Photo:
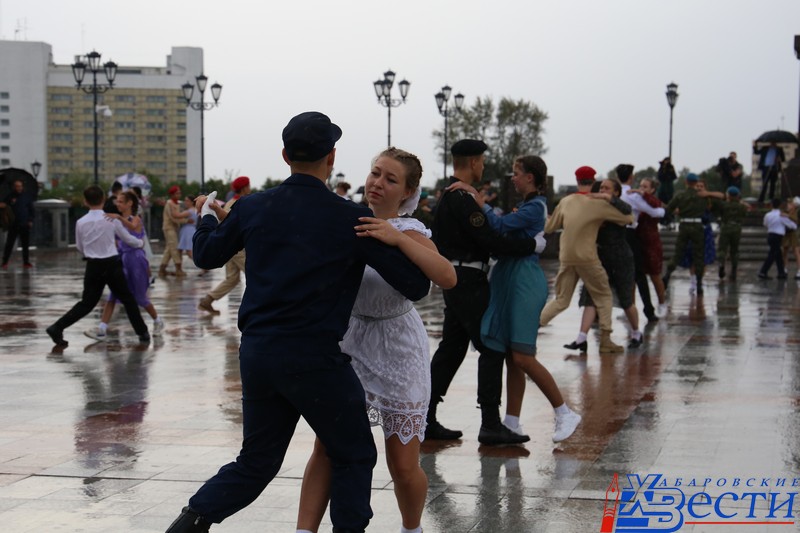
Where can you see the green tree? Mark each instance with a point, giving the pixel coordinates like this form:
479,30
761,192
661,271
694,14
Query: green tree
511,128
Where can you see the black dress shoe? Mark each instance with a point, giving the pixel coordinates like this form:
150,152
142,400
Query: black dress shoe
634,343
436,431
761,275
651,318
582,346
782,276
722,272
499,435
189,521
57,336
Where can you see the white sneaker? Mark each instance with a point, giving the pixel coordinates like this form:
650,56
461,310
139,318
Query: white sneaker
158,326
96,334
518,430
662,311
565,425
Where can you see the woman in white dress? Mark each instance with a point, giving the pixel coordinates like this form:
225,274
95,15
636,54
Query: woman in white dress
388,345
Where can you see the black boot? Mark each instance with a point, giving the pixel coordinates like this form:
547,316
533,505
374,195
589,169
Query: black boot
189,521
666,276
435,431
722,272
699,285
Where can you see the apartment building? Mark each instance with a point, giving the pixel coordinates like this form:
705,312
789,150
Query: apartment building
142,122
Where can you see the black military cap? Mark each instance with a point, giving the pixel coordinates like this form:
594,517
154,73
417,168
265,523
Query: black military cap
310,136
468,147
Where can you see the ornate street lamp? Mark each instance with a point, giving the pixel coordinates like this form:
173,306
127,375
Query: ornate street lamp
202,106
94,66
672,98
442,99
383,90
797,53
36,167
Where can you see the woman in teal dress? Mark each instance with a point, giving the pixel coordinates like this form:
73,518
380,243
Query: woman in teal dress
518,292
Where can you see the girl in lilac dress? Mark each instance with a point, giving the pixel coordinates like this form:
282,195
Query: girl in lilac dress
134,264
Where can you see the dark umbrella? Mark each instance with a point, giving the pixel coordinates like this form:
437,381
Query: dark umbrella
9,175
777,136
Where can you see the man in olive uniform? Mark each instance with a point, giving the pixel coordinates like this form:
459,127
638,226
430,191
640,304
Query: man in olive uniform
463,235
730,214
691,206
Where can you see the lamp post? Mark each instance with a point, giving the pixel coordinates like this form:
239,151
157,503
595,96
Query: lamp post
202,106
36,167
78,72
797,53
672,97
383,90
442,99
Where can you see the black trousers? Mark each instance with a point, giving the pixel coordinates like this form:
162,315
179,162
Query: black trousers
769,178
639,275
24,234
276,391
98,274
775,254
464,307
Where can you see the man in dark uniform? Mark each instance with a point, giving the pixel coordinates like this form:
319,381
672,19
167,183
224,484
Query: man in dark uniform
463,236
691,207
304,268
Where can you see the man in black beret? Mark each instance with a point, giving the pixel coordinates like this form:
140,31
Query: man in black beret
463,236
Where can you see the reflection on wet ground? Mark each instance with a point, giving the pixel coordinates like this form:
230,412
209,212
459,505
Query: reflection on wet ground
116,436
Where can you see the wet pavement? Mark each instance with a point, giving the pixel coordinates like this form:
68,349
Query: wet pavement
116,436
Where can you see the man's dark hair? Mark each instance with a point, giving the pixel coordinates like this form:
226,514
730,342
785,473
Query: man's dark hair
624,172
116,187
94,195
776,203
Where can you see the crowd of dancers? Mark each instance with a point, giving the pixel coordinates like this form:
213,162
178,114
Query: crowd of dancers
329,329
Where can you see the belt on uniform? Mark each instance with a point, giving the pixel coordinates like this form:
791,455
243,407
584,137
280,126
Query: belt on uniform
480,265
692,220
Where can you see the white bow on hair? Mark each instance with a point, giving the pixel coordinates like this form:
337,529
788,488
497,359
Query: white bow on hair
409,205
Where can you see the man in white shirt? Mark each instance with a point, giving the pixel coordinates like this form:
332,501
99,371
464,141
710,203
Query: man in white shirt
94,238
776,224
639,205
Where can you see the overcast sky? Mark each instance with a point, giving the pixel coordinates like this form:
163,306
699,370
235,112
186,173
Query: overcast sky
598,68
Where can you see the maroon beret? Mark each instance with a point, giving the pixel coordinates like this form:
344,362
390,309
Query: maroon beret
240,183
585,173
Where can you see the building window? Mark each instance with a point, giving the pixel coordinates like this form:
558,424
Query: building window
181,152
61,149
156,99
126,125
4,96
4,109
155,126
5,122
182,165
156,164
181,138
5,135
125,111
61,123
5,149
125,138
61,97
157,151
124,98
182,112
61,137
61,110
181,125
156,139
5,162
155,112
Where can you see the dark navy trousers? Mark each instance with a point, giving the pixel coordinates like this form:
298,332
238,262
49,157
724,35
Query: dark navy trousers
276,391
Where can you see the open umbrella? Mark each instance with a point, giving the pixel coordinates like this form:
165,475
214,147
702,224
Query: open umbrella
9,175
132,179
777,136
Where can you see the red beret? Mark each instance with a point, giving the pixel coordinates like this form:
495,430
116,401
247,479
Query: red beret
240,183
173,190
585,173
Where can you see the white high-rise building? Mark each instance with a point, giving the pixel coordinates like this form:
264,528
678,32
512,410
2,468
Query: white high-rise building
143,125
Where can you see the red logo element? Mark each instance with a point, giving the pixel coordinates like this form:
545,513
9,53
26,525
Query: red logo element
610,506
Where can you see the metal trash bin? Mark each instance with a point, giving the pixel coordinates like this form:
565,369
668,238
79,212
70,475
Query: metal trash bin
51,224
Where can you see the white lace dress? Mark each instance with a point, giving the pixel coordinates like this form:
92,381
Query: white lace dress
389,346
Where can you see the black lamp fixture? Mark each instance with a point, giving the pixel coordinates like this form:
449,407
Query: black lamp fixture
36,167
383,90
92,63
797,53
442,99
202,106
672,99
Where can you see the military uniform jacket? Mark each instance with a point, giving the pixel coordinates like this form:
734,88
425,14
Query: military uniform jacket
730,213
688,204
461,231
